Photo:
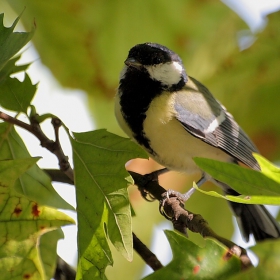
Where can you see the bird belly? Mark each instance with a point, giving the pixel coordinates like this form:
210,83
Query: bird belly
175,147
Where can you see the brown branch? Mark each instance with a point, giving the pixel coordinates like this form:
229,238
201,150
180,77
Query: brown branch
15,121
53,146
58,176
143,251
173,209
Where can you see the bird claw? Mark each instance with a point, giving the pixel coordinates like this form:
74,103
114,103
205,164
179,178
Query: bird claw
166,196
183,197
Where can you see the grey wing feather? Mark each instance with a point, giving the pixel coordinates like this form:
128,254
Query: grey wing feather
232,139
227,136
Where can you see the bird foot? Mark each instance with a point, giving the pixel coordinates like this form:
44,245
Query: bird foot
171,194
183,197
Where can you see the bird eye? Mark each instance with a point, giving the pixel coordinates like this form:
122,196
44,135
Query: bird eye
156,60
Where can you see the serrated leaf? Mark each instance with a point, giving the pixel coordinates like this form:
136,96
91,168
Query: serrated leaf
193,262
34,183
268,267
102,199
11,68
11,42
16,95
22,223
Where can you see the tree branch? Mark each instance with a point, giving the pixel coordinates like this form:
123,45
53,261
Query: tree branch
58,176
149,258
182,219
53,146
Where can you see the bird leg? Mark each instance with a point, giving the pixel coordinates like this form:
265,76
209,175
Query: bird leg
188,194
185,196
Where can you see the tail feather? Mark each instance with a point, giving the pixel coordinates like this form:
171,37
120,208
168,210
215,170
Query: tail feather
256,220
252,218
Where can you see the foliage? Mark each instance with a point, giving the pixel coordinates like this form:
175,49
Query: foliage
23,223
102,198
210,262
268,268
255,187
28,201
30,221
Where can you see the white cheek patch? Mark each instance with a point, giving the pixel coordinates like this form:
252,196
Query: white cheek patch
167,73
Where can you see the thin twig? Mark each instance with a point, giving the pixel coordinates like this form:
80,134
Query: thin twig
58,176
145,253
15,121
53,146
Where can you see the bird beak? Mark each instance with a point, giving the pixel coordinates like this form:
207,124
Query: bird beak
133,63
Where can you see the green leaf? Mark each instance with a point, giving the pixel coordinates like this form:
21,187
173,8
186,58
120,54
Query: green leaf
243,180
268,253
102,200
246,199
192,262
34,183
48,244
255,187
268,169
11,42
16,95
22,224
11,68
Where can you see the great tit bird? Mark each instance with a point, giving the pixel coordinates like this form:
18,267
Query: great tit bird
175,118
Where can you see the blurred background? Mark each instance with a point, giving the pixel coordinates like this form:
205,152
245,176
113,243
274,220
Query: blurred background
232,47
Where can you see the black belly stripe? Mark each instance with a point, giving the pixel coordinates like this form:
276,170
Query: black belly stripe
137,91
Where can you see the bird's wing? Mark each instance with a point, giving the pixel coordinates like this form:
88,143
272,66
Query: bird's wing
205,118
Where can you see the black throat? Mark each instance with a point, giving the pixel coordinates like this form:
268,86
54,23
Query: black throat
137,92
